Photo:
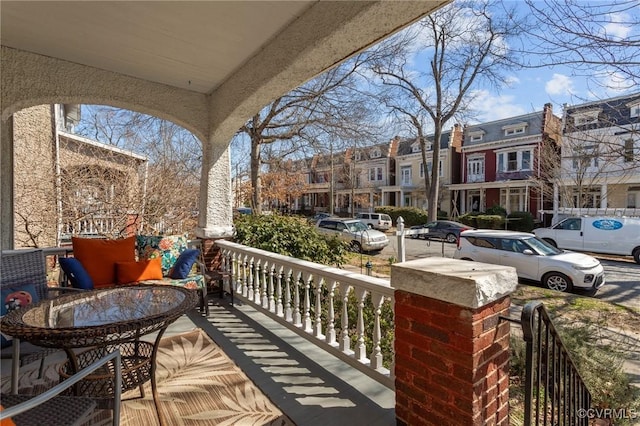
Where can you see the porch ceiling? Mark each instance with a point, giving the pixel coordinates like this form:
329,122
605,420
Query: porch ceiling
192,45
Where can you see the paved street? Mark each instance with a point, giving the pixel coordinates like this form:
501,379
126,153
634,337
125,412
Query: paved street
622,275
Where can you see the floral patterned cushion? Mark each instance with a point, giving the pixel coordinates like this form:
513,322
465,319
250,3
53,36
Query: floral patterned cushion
168,247
193,282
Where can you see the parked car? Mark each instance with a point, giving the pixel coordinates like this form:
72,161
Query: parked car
318,216
597,234
378,221
447,230
359,237
533,258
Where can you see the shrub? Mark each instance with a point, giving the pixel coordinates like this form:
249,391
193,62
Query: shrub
289,236
469,219
412,216
496,209
520,221
488,221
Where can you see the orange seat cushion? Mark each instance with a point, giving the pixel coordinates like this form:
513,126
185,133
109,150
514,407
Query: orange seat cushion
129,272
6,422
99,257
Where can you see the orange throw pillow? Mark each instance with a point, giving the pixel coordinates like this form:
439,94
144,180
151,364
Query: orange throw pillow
6,422
129,272
99,257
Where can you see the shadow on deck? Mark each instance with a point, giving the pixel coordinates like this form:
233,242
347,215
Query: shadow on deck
309,385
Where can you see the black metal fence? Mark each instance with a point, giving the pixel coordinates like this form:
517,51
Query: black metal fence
554,391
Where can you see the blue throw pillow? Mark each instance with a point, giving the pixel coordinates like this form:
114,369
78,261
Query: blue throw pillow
183,264
78,276
15,298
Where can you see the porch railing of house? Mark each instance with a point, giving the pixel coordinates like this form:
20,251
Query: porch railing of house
316,302
554,391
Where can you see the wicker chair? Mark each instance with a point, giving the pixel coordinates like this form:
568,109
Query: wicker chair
19,268
51,408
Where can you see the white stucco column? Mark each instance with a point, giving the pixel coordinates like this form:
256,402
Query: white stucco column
603,196
215,219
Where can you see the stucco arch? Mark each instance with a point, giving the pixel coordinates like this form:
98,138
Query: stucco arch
29,79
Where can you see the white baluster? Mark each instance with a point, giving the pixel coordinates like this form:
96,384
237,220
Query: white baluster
345,340
279,278
307,304
361,349
270,290
317,325
257,281
331,330
376,356
297,319
288,313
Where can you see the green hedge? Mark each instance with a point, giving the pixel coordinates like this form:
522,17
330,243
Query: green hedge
520,221
289,236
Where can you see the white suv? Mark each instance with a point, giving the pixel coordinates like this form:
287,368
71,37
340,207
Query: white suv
355,233
379,221
533,258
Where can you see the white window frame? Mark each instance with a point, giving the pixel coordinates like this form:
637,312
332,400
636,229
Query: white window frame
503,160
634,109
376,153
477,165
476,136
405,175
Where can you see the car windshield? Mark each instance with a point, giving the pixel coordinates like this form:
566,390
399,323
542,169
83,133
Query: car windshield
542,246
357,227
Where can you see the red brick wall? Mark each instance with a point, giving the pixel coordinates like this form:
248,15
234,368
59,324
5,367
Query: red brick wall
452,362
212,255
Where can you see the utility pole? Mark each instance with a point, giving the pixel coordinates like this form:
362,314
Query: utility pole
331,181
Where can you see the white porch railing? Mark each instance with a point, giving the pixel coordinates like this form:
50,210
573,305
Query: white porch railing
304,295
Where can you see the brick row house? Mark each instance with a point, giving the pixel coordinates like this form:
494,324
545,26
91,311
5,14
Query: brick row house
549,166
506,163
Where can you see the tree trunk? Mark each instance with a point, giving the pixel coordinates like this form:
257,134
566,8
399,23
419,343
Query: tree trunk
432,213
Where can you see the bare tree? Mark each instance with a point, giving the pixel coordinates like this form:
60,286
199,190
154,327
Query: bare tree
465,45
325,109
599,40
168,201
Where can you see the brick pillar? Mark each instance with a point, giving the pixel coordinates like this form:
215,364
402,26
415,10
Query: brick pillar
451,348
212,256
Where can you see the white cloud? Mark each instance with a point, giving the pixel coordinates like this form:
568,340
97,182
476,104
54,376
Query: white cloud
615,29
512,81
490,107
559,84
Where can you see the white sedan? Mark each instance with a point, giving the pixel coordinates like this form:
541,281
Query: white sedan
533,258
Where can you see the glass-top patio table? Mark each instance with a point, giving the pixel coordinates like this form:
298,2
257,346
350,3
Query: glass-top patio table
102,321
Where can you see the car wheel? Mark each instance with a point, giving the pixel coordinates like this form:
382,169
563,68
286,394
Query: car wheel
550,241
355,246
557,281
636,255
370,226
451,238
415,236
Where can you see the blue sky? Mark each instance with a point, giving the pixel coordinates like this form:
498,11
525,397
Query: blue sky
530,89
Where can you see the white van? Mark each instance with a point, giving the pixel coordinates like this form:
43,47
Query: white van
610,235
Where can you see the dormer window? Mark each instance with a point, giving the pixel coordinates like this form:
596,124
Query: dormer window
514,129
415,148
476,136
634,109
583,118
358,156
376,153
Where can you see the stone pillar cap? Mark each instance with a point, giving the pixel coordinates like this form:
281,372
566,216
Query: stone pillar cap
461,282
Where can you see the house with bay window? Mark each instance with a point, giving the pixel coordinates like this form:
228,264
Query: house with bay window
507,163
600,166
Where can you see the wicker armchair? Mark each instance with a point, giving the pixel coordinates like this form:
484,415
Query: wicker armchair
25,268
52,408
